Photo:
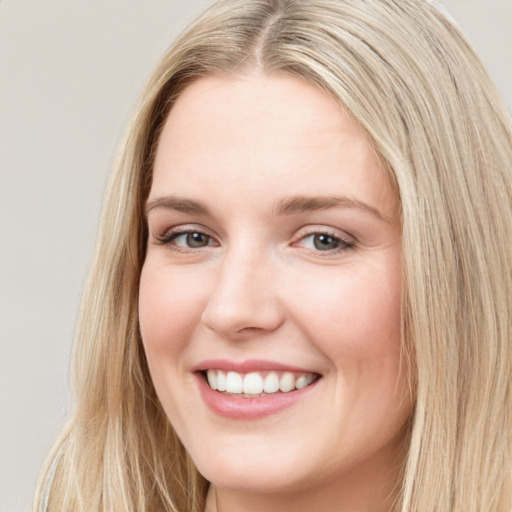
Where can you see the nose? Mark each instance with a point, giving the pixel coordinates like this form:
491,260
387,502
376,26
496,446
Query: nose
244,300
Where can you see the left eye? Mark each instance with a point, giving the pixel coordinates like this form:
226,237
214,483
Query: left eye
191,239
323,242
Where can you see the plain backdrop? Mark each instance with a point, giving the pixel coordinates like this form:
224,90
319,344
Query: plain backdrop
70,72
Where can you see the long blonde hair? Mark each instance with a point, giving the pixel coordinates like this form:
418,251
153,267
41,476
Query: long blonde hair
405,72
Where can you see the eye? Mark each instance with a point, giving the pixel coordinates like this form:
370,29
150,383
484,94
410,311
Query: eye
324,242
190,239
184,238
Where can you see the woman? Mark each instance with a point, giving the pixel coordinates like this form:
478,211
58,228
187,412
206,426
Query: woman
301,294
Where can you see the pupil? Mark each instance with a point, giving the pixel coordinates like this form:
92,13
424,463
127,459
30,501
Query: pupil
325,242
196,240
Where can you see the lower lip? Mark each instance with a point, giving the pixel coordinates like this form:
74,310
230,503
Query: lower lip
235,407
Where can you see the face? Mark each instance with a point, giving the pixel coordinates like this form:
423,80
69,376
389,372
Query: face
273,271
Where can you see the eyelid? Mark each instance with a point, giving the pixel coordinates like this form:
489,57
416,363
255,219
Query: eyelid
347,240
167,236
324,230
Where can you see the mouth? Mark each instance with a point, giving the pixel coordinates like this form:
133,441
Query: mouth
257,384
253,389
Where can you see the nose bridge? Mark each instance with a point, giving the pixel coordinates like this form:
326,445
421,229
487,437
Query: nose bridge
244,298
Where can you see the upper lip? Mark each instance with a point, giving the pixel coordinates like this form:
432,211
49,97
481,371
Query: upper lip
247,366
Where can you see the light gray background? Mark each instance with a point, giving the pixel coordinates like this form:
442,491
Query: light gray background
70,72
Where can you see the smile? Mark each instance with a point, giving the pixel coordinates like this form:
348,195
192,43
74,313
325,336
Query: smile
258,383
253,389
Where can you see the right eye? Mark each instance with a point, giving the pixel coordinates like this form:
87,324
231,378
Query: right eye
188,239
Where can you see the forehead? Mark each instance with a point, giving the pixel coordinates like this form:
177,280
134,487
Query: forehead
233,111
262,134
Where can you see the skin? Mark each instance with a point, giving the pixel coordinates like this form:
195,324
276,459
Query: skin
259,288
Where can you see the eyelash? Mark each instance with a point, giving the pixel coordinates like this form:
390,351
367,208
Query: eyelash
170,236
343,244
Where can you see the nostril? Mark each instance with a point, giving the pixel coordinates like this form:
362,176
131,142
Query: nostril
241,306
242,324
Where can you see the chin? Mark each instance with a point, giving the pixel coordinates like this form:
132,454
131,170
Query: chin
254,476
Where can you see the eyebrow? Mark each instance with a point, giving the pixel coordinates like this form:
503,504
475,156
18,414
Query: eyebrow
288,206
177,203
301,204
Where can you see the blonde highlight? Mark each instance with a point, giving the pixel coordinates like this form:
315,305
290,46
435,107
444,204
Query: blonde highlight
406,74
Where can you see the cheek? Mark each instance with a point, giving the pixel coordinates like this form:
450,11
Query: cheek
354,317
357,326
170,307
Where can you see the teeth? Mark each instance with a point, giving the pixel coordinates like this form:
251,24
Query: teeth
302,382
287,382
234,383
255,383
221,381
271,383
211,376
